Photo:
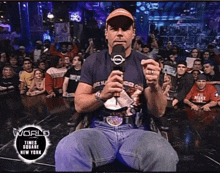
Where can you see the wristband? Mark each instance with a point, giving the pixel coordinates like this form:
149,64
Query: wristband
97,96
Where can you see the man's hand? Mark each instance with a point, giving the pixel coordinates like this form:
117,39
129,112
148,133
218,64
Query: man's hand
113,85
206,107
52,94
194,107
151,72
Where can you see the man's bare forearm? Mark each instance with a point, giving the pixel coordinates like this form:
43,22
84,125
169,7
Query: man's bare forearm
156,101
86,103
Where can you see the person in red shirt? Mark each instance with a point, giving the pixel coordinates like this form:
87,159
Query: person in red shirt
202,93
73,50
54,77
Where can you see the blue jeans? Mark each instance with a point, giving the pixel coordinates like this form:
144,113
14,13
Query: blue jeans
101,144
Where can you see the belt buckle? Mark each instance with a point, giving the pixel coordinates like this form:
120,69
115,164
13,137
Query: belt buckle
114,120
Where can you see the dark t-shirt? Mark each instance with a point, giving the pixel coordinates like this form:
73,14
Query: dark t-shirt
74,77
215,77
97,68
6,82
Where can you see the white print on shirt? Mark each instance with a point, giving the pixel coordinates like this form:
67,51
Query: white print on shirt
74,77
199,98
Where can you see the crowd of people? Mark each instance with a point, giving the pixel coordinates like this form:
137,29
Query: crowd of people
184,79
53,71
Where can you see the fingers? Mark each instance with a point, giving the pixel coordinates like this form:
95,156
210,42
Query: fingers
146,62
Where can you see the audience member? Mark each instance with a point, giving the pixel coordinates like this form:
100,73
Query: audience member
212,76
14,64
195,74
9,79
183,83
72,77
37,52
54,77
37,84
26,76
202,93
197,65
42,66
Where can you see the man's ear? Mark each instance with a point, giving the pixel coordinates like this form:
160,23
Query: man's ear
134,33
106,34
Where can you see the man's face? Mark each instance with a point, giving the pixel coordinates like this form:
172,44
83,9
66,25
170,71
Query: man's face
146,49
7,72
197,65
195,74
195,53
64,48
27,65
208,68
70,47
22,50
3,57
201,84
42,66
75,61
13,61
119,32
181,69
206,55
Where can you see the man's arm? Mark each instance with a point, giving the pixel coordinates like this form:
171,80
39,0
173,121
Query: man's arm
207,106
192,105
85,100
213,82
156,100
65,84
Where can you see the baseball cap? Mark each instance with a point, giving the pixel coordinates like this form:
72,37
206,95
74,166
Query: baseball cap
21,47
39,42
119,12
201,77
181,62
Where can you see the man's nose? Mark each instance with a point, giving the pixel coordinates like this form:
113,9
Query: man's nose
120,32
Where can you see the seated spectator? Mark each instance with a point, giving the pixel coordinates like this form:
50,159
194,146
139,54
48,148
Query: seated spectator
9,79
175,56
3,61
195,74
183,82
202,93
54,77
14,64
195,54
26,76
212,76
138,44
197,65
42,66
90,49
67,63
21,52
72,77
38,84
205,56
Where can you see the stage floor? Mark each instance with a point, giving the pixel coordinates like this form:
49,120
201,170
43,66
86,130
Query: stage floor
195,136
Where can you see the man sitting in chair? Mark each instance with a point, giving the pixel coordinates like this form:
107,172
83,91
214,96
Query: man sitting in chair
113,83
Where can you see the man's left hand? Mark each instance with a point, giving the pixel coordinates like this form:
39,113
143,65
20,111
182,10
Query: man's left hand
206,108
151,72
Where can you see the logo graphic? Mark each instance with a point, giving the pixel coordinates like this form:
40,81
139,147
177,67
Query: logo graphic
31,143
118,59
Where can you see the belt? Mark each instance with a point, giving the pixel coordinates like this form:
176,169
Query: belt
116,120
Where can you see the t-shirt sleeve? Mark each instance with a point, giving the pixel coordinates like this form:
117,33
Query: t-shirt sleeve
22,78
67,74
87,70
189,95
214,93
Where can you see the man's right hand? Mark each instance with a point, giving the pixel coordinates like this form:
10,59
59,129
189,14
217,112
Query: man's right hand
114,84
194,107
